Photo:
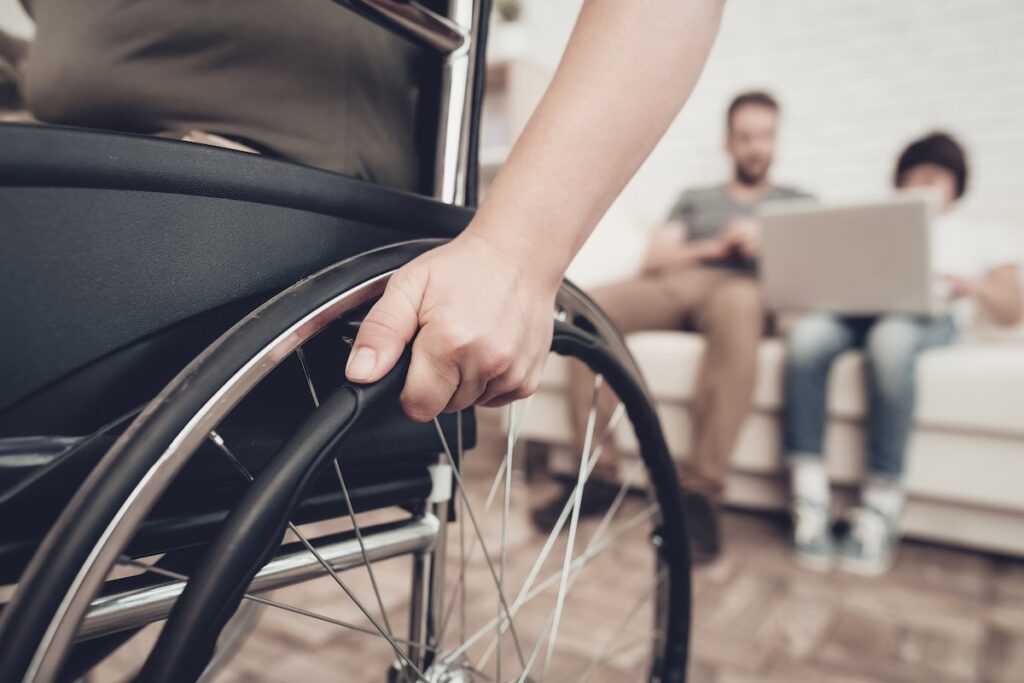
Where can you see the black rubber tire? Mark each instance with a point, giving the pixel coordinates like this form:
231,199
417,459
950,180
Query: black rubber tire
254,529
51,575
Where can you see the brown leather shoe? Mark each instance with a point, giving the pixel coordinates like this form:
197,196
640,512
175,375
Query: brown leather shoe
597,498
702,526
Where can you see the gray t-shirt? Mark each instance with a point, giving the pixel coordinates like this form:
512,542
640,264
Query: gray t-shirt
707,210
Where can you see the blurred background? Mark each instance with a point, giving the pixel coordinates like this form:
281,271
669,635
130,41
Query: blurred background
855,79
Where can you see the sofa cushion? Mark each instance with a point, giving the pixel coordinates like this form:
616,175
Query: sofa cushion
970,386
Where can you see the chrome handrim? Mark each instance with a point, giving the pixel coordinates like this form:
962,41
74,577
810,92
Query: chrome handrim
496,648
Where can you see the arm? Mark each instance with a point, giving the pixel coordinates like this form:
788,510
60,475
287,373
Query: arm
669,249
999,292
625,74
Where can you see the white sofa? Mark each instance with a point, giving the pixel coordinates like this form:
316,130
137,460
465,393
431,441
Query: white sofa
965,476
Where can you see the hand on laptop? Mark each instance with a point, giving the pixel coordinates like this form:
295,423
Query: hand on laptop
744,236
712,249
961,287
670,249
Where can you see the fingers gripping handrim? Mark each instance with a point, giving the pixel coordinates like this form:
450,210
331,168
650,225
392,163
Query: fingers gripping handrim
431,382
384,333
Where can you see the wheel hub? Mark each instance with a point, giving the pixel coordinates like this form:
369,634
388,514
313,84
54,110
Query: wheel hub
449,673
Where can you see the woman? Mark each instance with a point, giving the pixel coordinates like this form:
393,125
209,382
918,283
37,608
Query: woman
979,271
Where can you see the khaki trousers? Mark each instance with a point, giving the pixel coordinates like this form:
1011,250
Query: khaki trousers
726,308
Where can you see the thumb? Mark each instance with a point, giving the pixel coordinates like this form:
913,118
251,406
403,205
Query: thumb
385,331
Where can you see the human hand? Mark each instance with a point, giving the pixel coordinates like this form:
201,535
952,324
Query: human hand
713,249
744,235
485,321
961,287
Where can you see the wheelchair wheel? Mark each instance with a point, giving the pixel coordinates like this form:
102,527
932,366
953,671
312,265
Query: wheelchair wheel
331,484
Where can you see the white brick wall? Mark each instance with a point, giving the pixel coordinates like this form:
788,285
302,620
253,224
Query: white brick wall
857,79
13,18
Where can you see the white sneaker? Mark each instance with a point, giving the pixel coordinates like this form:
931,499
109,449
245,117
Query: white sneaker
812,538
870,548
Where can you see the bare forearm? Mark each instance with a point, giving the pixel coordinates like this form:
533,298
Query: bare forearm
628,68
626,72
1000,294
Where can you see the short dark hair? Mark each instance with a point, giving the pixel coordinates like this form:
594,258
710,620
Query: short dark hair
755,97
940,149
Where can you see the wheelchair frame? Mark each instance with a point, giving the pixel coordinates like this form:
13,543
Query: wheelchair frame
460,36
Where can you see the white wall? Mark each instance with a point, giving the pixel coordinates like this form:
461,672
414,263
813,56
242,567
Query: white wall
857,79
13,18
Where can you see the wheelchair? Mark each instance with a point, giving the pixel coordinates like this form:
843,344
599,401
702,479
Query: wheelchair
179,447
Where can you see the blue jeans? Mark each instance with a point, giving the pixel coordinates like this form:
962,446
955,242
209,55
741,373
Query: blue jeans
891,344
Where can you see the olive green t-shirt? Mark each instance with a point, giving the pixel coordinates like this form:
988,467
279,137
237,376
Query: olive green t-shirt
305,80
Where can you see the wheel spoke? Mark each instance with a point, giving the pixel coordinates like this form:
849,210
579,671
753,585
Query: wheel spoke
510,443
567,508
479,535
615,652
461,587
556,530
605,651
362,546
166,573
573,525
616,416
358,603
301,355
544,647
466,556
219,441
593,550
620,496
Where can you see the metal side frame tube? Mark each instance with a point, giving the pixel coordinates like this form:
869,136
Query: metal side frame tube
427,594
413,20
452,164
135,608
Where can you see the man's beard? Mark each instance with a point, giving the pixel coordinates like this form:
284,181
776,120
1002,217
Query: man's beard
745,177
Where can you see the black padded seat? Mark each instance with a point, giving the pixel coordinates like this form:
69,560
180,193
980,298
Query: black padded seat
125,255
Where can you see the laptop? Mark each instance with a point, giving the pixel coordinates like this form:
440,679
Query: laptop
853,259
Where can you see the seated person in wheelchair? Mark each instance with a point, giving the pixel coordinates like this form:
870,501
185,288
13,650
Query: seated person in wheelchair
297,80
477,312
699,273
981,266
